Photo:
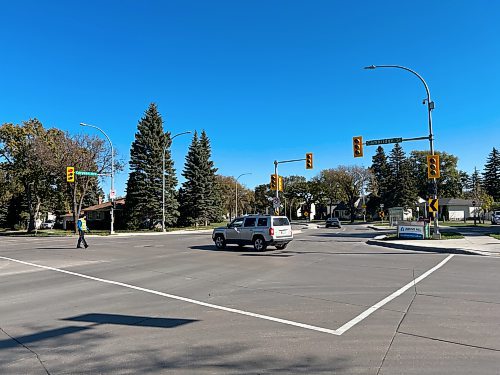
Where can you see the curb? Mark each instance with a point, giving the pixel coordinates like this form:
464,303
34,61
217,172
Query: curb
431,249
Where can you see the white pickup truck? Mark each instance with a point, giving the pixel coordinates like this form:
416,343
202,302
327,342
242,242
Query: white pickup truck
495,218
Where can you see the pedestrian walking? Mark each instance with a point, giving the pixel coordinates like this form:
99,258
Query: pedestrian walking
82,228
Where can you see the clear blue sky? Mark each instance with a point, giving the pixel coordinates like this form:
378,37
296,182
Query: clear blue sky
266,79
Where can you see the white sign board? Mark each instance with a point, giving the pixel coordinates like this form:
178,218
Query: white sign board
411,231
112,194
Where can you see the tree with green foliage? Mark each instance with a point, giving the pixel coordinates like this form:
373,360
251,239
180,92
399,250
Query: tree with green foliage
330,187
263,195
449,185
491,175
199,195
26,154
402,190
34,159
145,182
379,184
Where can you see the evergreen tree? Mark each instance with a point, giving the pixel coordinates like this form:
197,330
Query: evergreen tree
402,191
199,195
144,186
475,184
213,197
491,175
380,183
191,191
171,202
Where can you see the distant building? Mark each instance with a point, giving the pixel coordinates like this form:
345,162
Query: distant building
99,216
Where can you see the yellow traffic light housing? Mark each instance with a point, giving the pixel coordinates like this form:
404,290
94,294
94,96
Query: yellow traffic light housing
70,174
433,170
309,160
274,182
357,146
280,183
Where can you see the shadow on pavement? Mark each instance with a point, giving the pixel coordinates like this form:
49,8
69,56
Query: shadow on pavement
130,320
56,248
96,319
231,249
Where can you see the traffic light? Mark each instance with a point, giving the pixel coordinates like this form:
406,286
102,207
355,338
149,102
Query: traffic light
280,183
309,160
357,146
70,174
433,166
274,183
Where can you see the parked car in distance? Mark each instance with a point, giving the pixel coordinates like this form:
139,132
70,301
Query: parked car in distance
257,230
49,224
495,218
333,222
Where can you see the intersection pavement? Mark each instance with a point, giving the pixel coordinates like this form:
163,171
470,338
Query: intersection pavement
328,303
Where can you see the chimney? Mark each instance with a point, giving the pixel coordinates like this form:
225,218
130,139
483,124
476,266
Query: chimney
99,199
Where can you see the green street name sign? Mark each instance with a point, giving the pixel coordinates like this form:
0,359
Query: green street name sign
83,173
382,141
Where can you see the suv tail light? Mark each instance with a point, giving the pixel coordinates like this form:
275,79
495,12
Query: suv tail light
271,231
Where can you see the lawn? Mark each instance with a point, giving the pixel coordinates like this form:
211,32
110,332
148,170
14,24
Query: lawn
497,236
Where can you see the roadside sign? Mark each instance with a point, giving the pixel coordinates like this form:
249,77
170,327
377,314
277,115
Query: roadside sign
112,194
412,230
85,173
384,141
433,205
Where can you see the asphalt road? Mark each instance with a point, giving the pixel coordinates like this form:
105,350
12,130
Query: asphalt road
327,304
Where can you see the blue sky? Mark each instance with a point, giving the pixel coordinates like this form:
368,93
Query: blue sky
267,80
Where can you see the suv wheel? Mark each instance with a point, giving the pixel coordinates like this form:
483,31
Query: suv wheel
220,243
259,244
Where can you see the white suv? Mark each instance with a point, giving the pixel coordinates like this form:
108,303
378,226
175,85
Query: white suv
257,230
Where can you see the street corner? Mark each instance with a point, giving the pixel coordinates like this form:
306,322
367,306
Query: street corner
437,246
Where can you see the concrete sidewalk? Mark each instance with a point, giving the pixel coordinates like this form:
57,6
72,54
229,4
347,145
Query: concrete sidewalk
471,244
477,245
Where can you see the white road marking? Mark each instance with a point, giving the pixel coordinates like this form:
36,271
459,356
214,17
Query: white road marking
387,299
336,332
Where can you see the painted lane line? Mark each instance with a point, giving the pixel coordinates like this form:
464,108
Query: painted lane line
336,332
184,299
387,299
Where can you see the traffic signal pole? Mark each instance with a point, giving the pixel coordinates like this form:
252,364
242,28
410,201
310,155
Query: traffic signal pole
309,165
430,107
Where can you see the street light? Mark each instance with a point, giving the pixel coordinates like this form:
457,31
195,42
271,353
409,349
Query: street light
163,191
430,107
236,193
112,192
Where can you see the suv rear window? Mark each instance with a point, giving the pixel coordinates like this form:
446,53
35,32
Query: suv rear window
280,221
262,222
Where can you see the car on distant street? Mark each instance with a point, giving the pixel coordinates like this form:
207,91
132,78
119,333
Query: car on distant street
257,230
49,224
495,218
333,222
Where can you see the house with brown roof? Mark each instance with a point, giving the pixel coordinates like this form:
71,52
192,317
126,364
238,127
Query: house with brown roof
99,215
